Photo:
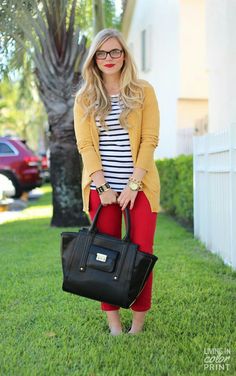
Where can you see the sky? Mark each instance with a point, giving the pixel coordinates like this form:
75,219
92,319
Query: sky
118,7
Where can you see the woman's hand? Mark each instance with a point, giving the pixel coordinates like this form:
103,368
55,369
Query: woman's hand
126,196
108,197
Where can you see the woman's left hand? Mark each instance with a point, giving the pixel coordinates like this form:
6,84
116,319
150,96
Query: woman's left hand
126,196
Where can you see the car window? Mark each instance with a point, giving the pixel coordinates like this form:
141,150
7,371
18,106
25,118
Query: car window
6,149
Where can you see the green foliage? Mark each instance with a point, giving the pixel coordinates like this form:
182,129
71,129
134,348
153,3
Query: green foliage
21,112
85,17
183,197
111,19
176,175
14,43
46,332
168,176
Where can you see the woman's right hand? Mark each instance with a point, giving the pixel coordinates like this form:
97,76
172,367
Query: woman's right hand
108,197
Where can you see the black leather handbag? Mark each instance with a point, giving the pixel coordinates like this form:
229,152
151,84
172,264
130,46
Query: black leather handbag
104,268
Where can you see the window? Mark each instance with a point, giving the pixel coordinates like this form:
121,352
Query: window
143,50
146,49
5,149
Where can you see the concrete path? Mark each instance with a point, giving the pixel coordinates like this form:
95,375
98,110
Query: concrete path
16,206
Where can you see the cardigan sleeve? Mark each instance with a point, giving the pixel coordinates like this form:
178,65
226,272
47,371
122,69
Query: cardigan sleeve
149,131
91,160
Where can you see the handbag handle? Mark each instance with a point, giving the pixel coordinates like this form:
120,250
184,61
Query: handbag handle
93,227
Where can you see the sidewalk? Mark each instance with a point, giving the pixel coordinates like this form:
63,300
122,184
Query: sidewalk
16,206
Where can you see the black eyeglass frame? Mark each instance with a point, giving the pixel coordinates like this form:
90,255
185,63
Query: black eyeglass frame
109,53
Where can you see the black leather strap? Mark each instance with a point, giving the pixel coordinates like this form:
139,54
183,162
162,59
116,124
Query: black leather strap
84,252
121,261
101,189
93,227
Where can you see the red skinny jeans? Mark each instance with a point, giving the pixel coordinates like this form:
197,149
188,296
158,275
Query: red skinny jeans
143,225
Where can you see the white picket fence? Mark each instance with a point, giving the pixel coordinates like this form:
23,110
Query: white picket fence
214,158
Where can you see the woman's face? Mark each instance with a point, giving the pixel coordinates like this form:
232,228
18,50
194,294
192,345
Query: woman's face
111,64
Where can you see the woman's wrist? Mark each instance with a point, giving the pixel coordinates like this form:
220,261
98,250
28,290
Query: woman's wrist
134,184
136,180
138,174
98,178
103,188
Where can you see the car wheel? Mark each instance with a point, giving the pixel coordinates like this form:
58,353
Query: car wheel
15,183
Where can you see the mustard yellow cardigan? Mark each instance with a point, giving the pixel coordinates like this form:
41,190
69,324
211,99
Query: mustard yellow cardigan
144,137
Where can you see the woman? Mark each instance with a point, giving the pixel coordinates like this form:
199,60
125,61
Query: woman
117,128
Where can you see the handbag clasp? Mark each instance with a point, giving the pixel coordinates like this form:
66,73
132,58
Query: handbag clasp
101,257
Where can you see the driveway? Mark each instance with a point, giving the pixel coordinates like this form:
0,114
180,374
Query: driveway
16,206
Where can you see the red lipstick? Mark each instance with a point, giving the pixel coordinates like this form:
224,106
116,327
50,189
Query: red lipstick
109,65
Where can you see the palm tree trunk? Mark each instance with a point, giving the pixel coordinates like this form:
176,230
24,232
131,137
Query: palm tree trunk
66,166
98,16
65,161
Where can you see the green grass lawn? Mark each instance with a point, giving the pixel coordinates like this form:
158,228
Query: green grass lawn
45,331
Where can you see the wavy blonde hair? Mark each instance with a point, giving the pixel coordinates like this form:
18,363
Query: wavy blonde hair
93,95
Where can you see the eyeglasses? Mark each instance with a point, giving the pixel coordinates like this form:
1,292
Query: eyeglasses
114,54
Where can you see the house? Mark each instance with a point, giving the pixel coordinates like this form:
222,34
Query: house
168,42
187,50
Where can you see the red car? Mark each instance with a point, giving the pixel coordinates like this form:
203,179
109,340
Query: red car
20,165
45,161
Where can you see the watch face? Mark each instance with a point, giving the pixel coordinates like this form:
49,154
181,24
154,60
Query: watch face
133,186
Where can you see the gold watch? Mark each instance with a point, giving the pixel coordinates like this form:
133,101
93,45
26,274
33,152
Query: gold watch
134,184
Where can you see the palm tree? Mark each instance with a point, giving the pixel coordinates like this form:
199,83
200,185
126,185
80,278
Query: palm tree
57,49
57,67
58,52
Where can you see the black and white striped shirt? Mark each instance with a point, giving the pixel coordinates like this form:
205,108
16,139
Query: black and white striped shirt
114,147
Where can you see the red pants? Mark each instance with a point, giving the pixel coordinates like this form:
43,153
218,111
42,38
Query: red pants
143,225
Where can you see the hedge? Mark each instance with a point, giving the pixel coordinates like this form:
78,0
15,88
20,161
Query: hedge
176,175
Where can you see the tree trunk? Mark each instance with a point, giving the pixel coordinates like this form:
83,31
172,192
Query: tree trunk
58,64
65,171
66,167
98,16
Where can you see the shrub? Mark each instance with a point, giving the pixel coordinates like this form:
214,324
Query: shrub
168,177
176,175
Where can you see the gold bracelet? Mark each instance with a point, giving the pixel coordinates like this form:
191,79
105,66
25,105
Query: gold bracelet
138,182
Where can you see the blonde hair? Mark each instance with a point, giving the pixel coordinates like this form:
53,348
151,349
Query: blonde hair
93,95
